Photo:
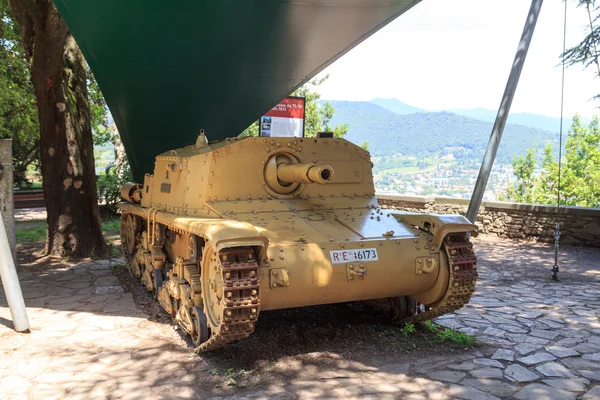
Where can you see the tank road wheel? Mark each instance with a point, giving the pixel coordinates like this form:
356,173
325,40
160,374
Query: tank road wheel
157,280
128,235
200,332
230,294
395,309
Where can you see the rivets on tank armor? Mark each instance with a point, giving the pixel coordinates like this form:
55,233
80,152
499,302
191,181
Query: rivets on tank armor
342,245
380,243
322,247
361,244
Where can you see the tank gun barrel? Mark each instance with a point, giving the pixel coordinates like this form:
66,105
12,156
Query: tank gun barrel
305,173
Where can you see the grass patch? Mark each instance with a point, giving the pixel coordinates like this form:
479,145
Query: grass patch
35,231
450,335
30,231
111,225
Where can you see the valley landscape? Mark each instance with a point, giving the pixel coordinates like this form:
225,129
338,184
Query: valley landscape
419,152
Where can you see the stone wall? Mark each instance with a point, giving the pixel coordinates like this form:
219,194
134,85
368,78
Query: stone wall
579,226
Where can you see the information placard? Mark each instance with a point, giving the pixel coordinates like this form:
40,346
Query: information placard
286,119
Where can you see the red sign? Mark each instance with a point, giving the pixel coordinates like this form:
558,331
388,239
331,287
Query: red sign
290,107
286,119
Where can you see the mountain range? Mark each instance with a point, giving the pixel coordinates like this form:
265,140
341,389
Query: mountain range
543,122
393,127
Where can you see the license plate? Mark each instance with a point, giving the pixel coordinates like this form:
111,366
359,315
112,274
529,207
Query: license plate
358,255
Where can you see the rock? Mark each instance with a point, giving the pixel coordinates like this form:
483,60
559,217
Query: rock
529,314
14,384
593,357
488,362
504,354
593,393
538,391
572,385
492,386
465,366
469,393
516,372
525,348
12,342
494,332
561,352
544,334
595,375
536,358
554,369
487,372
47,392
108,289
580,363
447,376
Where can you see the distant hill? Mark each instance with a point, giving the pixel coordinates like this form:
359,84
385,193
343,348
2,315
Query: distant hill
397,106
550,124
426,133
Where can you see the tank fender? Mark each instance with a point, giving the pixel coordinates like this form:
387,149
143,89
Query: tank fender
222,233
438,225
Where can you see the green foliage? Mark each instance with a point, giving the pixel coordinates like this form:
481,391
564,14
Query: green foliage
18,111
109,185
408,328
449,335
580,176
586,51
431,134
317,116
523,167
101,131
459,338
35,231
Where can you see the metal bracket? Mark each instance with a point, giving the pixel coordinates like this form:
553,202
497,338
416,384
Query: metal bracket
279,277
356,271
425,265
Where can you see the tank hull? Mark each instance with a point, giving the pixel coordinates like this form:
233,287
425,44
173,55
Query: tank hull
223,231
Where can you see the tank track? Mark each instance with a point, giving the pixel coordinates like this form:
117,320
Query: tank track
461,283
241,295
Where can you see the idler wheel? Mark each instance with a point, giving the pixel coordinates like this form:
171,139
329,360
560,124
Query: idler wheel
200,332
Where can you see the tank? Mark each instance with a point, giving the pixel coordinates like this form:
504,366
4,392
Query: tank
223,231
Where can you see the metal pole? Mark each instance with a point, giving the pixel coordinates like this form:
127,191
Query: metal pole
10,282
507,98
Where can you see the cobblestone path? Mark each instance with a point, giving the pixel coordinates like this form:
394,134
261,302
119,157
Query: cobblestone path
90,341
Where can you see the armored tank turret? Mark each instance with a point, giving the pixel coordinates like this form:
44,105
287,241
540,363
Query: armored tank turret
221,232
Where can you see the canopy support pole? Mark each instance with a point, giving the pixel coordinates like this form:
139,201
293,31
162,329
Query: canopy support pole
507,98
10,282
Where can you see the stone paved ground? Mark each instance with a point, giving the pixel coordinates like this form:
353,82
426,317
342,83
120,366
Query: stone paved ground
89,340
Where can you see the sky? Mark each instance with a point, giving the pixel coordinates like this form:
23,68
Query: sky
446,54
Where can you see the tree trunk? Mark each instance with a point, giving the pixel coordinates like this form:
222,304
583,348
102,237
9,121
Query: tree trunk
66,149
121,161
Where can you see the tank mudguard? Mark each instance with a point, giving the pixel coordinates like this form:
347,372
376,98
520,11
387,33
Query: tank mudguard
222,233
438,225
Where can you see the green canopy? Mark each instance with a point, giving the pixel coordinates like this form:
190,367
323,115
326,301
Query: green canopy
169,68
